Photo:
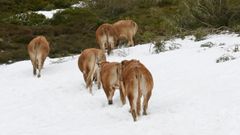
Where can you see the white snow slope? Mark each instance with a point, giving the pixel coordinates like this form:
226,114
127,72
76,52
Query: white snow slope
192,95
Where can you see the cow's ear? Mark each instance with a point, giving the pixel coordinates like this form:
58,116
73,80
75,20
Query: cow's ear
99,63
104,58
124,62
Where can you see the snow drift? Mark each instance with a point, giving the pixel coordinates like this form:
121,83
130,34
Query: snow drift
192,95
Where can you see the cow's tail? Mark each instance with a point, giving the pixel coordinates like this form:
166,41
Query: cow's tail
121,86
107,35
108,45
138,77
36,49
134,24
136,94
91,72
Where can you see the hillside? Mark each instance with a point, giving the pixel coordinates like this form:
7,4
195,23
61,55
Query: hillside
72,30
192,94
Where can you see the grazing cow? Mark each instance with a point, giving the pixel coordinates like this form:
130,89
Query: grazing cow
110,73
138,82
106,37
38,50
88,65
126,29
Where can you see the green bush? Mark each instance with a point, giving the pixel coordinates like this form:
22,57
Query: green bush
13,55
236,28
159,46
110,9
200,33
210,12
213,13
75,16
148,36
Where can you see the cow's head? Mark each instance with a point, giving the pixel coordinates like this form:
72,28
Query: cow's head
101,56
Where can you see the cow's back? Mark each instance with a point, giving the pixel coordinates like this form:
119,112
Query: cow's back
84,58
125,27
104,28
131,71
39,45
105,31
86,55
109,73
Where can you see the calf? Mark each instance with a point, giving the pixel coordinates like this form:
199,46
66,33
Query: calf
88,65
38,50
106,37
126,29
137,82
110,73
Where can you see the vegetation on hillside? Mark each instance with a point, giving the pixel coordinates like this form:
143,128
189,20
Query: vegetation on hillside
73,30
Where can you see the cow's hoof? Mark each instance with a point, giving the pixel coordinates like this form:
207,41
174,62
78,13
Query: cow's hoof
144,113
110,102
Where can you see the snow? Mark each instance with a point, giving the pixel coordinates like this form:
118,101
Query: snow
49,14
192,95
80,4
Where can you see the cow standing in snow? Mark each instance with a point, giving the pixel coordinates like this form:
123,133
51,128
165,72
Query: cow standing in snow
126,29
106,37
137,82
110,73
38,50
88,65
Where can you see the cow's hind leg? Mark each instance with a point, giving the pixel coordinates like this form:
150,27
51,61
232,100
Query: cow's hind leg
109,50
98,79
89,85
111,93
85,78
106,91
133,106
39,67
103,46
34,68
90,82
145,102
34,64
122,95
130,41
139,104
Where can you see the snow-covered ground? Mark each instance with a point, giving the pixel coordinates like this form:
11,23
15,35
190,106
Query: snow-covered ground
49,14
80,4
192,95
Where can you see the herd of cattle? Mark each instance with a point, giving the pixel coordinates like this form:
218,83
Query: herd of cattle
131,77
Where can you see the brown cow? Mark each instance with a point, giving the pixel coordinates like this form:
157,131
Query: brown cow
138,82
106,37
126,29
88,65
110,73
38,50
